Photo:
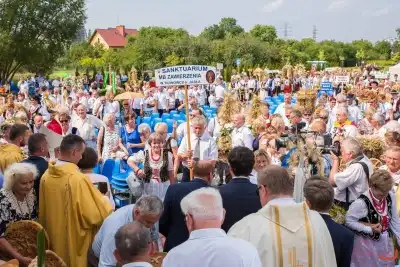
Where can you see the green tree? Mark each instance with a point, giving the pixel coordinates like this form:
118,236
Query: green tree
173,60
264,33
384,49
33,36
226,27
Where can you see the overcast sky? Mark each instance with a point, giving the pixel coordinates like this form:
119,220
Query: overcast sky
343,20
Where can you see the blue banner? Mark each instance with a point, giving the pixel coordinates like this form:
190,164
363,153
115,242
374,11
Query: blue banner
326,86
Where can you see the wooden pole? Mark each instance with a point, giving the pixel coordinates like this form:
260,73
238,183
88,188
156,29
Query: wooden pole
189,146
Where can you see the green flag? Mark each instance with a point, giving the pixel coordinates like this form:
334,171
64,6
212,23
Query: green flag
105,80
114,82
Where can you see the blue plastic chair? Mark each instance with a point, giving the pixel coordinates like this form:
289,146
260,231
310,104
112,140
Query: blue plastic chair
170,124
97,169
176,117
155,115
165,116
180,122
138,119
172,112
146,120
108,168
213,109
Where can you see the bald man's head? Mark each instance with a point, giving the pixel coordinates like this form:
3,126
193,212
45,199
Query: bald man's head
238,120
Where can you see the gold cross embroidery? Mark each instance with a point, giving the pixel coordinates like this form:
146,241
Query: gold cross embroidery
293,258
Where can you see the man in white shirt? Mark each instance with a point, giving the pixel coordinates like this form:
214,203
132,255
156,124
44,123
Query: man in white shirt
219,91
208,245
352,181
86,124
132,245
37,123
203,147
241,135
161,98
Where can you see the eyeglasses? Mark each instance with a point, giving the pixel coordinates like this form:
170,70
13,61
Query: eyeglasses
323,118
64,121
307,115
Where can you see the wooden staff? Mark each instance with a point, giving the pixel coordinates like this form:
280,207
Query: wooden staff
189,147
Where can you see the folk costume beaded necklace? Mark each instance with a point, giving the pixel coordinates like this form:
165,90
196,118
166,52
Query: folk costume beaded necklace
379,205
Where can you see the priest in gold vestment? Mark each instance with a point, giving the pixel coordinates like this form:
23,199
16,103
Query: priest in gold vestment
12,152
285,233
71,208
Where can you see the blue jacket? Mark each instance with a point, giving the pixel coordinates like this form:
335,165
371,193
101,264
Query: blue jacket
172,221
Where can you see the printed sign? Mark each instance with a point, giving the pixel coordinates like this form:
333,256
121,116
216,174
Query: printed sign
342,79
220,66
381,75
185,75
325,86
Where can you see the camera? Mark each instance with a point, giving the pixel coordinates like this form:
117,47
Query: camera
294,133
334,148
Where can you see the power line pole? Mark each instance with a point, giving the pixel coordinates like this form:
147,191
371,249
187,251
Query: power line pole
314,33
285,33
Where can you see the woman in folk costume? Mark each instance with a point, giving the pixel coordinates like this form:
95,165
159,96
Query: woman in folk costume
158,170
374,218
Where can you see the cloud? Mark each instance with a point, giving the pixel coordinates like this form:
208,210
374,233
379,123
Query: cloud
337,5
376,13
273,5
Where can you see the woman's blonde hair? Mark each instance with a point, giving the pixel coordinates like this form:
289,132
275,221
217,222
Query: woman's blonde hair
16,171
262,153
278,123
108,117
155,137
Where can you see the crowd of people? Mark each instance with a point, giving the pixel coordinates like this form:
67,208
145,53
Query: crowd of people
298,186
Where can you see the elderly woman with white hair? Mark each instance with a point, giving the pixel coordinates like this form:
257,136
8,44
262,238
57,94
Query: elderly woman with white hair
17,202
109,143
144,132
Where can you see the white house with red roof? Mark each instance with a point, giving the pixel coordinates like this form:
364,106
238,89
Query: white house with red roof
112,37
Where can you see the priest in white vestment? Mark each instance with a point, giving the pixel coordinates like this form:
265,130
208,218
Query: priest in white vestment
284,232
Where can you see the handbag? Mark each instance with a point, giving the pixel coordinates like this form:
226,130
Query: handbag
136,185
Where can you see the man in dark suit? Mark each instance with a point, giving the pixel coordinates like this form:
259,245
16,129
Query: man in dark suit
38,148
172,221
319,196
239,196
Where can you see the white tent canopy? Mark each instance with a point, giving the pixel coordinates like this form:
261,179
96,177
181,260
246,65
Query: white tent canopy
394,70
